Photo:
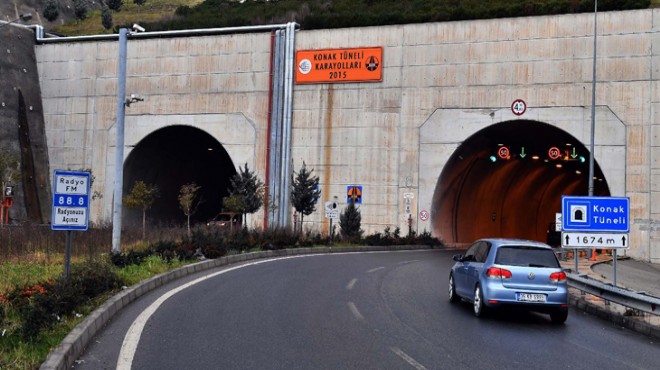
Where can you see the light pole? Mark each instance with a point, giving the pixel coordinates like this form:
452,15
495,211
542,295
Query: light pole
122,103
23,18
593,123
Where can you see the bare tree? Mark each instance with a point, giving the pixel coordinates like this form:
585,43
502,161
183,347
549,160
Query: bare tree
142,196
188,201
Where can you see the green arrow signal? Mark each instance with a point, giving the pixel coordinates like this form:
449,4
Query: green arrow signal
574,155
522,153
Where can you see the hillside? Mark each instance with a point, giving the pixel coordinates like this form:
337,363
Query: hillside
157,15
67,24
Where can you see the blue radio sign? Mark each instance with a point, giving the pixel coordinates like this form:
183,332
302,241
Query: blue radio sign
70,200
595,214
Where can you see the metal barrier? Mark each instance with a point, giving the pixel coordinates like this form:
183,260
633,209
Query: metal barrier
609,292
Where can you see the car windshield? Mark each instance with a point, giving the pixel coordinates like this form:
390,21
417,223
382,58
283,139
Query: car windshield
519,255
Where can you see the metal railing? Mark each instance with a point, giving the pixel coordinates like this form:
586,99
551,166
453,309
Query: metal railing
636,300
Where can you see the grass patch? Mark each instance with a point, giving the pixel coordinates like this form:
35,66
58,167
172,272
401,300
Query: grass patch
16,353
153,265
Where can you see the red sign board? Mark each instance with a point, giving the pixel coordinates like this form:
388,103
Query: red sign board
339,65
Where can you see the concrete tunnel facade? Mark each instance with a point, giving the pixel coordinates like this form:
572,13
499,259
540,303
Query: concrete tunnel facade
418,142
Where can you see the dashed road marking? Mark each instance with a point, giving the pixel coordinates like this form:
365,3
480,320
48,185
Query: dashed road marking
407,358
355,311
351,284
376,269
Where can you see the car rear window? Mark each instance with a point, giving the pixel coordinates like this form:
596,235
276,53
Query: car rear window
526,256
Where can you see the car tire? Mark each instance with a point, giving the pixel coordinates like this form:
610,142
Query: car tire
453,297
559,317
478,302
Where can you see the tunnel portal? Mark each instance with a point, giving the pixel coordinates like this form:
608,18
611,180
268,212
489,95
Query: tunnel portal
507,181
174,156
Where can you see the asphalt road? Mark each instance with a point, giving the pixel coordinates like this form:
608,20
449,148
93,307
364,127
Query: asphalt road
349,311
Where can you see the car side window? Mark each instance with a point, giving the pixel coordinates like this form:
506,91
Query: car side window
482,252
470,254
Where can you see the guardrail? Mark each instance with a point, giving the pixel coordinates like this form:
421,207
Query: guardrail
609,292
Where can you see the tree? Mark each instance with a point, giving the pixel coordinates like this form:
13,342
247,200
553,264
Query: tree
305,192
51,11
106,18
245,193
188,202
142,196
139,3
80,9
114,4
350,221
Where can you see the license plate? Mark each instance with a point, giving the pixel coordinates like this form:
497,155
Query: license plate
531,297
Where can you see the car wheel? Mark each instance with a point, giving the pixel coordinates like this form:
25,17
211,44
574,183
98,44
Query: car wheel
453,297
478,302
559,316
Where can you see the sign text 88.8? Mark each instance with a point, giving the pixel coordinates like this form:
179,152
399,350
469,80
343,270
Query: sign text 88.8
71,200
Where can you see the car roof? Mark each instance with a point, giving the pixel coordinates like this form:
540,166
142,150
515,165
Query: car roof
499,242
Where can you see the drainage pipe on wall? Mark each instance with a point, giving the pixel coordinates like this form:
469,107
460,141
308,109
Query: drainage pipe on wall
275,132
159,34
288,107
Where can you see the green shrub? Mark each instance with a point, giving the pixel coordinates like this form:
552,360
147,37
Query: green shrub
131,257
350,221
164,249
39,306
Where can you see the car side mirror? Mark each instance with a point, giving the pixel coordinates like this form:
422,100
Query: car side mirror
458,257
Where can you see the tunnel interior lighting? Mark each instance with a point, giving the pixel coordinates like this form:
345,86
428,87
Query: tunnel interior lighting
559,165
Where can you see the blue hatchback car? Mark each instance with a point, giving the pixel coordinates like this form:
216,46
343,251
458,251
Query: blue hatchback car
495,273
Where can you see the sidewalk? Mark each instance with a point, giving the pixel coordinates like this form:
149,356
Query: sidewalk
633,275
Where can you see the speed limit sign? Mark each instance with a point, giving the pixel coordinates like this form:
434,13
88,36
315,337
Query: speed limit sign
518,107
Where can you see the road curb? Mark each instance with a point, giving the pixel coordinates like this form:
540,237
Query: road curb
72,346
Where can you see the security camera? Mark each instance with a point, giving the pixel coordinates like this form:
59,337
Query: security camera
133,99
138,28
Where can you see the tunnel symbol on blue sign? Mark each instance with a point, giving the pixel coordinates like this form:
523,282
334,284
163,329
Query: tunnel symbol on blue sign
579,213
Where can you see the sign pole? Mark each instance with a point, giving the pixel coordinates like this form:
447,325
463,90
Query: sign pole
67,255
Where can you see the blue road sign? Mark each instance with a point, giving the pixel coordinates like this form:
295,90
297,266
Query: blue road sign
595,214
70,200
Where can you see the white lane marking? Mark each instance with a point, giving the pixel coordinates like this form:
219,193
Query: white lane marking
351,284
376,269
132,338
407,358
406,262
354,310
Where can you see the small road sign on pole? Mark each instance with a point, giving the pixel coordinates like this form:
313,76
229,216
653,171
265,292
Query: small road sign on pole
70,200
331,210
